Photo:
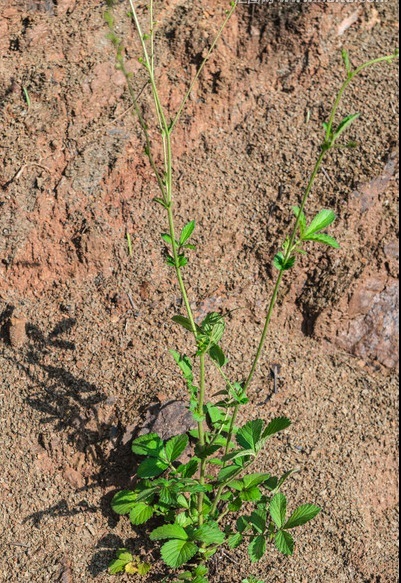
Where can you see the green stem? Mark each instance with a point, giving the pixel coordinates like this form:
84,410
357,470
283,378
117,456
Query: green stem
201,434
351,76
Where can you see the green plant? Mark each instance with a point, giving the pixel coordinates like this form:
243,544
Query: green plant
200,509
252,580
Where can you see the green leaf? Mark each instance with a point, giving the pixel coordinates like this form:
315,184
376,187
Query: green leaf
213,327
249,435
282,265
187,232
118,565
178,552
278,509
151,468
302,515
235,540
209,534
227,472
189,469
140,513
167,238
217,355
183,321
251,494
345,124
321,221
346,60
168,531
143,568
284,542
323,238
302,219
182,261
150,444
254,479
123,501
184,364
258,521
276,425
160,201
175,446
242,523
257,548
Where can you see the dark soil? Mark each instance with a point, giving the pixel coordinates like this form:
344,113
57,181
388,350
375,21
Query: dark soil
85,328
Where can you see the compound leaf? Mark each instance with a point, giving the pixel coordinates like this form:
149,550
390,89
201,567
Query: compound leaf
249,435
151,468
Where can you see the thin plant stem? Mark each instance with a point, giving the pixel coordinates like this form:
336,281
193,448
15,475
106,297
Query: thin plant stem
201,434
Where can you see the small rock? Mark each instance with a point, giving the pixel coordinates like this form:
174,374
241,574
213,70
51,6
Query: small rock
17,331
168,419
74,478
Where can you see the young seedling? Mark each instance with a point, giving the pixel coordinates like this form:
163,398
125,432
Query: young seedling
215,498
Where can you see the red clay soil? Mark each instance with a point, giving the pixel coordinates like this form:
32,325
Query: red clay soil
85,328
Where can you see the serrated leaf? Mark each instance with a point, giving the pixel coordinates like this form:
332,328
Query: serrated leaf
176,446
235,540
276,425
123,501
169,531
257,548
254,479
116,566
235,505
178,552
302,219
322,220
187,232
238,454
345,124
151,468
284,542
302,515
140,513
251,494
143,568
242,523
209,534
323,238
189,469
278,509
249,435
213,327
258,521
150,444
227,472
217,355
